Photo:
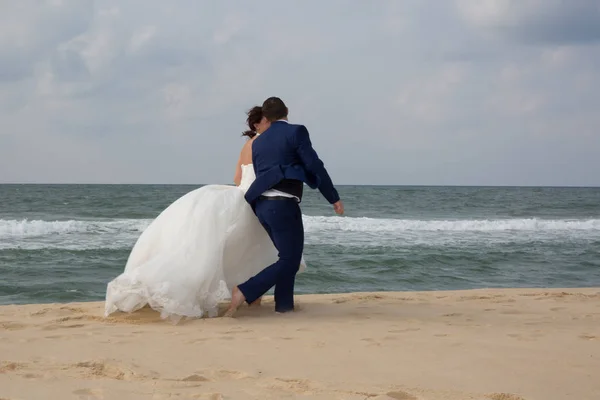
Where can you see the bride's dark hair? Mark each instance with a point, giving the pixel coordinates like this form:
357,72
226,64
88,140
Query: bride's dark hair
255,115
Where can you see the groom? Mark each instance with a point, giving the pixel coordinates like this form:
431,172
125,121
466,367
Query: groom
284,160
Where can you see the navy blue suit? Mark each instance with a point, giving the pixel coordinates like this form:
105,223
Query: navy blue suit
283,152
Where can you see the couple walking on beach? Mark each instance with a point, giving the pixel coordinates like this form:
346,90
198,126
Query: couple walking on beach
220,241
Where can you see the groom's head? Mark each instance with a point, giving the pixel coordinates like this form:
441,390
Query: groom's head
274,109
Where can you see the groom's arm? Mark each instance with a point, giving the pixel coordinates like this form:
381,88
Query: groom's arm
314,165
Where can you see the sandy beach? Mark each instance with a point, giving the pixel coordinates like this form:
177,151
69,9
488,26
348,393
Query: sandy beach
480,344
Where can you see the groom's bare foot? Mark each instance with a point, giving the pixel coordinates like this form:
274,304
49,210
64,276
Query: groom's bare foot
256,302
237,299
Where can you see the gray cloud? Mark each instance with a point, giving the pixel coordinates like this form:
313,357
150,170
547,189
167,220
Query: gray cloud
547,22
403,93
32,29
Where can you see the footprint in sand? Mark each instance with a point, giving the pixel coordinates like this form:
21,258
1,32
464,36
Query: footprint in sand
106,370
196,341
522,338
340,301
89,394
399,395
190,381
69,318
54,327
12,326
511,312
43,311
210,396
404,330
452,315
371,341
504,396
195,378
230,375
470,298
33,376
504,301
296,386
236,331
10,366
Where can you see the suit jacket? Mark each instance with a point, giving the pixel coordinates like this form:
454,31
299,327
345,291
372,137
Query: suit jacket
284,151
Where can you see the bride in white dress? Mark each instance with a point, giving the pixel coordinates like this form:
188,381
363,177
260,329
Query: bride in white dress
198,249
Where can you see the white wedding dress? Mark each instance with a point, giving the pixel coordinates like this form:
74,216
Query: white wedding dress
194,253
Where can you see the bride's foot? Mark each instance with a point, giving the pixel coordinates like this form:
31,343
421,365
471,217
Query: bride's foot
237,299
256,302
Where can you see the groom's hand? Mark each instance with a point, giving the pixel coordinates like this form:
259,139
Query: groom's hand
338,207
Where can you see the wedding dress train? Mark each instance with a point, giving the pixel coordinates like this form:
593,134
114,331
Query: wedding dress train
193,254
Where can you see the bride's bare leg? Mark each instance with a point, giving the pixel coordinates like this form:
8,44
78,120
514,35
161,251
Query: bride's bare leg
237,299
256,302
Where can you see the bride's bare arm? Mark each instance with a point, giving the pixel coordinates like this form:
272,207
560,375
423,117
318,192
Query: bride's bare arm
237,178
245,158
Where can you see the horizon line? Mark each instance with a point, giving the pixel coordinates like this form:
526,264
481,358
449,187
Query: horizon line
338,185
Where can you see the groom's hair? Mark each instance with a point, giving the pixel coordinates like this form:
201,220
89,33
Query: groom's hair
274,108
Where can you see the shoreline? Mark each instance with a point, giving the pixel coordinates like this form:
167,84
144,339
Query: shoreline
491,344
383,293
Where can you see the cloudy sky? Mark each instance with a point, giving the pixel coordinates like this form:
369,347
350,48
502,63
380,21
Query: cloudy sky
492,92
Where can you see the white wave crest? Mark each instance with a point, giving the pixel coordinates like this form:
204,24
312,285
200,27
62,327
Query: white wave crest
348,231
26,228
466,225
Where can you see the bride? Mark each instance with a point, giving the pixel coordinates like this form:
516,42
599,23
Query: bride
198,249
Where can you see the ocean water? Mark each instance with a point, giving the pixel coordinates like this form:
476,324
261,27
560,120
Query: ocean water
62,243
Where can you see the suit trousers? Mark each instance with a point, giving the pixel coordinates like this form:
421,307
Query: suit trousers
282,219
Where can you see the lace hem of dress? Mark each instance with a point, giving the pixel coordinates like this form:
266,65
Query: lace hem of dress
128,295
